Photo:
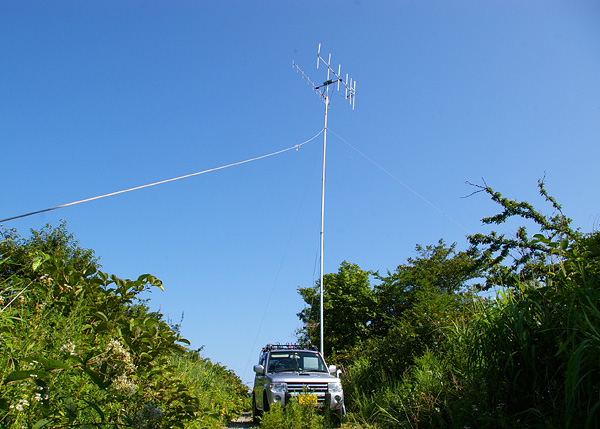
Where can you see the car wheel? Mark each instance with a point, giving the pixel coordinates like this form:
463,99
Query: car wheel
266,406
256,414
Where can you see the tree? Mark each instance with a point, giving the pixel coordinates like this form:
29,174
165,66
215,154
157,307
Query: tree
18,253
77,349
349,305
533,258
437,270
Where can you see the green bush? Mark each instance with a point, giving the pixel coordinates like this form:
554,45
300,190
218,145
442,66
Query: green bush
79,348
438,356
220,392
293,416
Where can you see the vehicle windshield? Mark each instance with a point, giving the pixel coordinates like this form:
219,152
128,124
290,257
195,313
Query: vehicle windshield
294,360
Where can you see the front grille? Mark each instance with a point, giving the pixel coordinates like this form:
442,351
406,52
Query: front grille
319,389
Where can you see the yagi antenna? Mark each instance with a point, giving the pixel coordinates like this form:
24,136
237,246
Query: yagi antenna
323,91
332,77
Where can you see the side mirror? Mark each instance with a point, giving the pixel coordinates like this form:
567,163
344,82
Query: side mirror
332,369
259,369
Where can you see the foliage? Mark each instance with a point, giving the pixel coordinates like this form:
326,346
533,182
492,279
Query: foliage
437,355
78,347
293,416
349,305
220,392
56,242
533,258
438,269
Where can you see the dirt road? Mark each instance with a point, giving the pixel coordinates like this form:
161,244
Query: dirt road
245,421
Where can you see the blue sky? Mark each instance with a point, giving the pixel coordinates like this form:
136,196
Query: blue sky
98,97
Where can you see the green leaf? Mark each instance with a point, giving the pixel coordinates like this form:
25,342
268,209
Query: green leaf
126,419
90,271
102,316
97,409
23,375
39,260
71,409
96,378
150,321
41,423
184,341
52,364
146,356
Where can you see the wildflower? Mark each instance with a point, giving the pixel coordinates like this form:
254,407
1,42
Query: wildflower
124,385
37,397
46,279
119,353
20,405
68,348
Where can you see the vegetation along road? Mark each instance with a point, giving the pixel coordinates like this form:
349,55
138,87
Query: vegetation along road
419,346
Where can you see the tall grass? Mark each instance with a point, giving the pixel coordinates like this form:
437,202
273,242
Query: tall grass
221,394
538,351
530,358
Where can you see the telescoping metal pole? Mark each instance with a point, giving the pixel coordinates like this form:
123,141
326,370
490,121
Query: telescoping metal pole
323,91
322,348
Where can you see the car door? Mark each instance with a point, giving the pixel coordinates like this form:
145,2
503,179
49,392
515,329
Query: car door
259,383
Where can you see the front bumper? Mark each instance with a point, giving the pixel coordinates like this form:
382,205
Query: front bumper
334,401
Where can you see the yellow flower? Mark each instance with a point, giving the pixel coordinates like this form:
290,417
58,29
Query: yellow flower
223,411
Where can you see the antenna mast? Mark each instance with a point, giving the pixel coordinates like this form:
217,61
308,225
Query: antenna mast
323,91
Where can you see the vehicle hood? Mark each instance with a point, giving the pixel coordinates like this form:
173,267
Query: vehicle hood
306,377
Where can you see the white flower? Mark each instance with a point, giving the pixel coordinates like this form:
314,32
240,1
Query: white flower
124,385
119,353
68,348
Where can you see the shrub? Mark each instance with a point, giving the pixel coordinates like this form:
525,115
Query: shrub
293,416
79,348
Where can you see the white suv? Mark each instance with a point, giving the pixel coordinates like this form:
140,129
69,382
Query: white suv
288,370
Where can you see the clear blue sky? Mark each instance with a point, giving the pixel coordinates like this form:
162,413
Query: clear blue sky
97,97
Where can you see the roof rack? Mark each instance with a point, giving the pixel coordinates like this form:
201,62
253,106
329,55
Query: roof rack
289,346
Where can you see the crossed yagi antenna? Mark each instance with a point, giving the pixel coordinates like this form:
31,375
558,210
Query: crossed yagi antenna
332,77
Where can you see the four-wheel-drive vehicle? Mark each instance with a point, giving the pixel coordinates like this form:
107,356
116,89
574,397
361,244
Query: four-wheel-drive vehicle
285,371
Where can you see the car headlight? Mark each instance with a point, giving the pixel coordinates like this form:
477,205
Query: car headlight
278,387
335,387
